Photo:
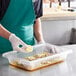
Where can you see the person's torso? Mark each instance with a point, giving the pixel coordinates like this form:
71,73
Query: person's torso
37,4
19,19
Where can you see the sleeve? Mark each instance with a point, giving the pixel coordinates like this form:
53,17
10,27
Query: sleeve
38,8
3,7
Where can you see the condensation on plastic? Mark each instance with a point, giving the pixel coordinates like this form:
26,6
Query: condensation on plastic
58,52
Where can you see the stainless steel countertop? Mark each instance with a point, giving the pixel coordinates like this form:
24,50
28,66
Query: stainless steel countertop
58,14
66,68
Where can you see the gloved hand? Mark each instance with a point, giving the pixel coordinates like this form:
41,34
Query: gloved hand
18,44
41,42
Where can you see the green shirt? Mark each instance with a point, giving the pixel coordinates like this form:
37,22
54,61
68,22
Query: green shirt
18,19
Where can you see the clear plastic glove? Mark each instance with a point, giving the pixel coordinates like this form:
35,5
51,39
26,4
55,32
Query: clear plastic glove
53,48
46,48
41,42
19,45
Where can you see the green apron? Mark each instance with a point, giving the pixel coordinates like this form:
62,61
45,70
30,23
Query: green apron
18,19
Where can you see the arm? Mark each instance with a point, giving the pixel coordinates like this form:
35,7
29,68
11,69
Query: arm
4,33
15,41
38,31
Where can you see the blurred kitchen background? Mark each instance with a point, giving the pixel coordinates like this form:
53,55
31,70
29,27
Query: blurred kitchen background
64,3
59,17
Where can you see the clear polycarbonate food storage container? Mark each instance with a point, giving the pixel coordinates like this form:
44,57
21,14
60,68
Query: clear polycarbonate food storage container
42,55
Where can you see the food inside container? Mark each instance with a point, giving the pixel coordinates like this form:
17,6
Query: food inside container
37,56
43,55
